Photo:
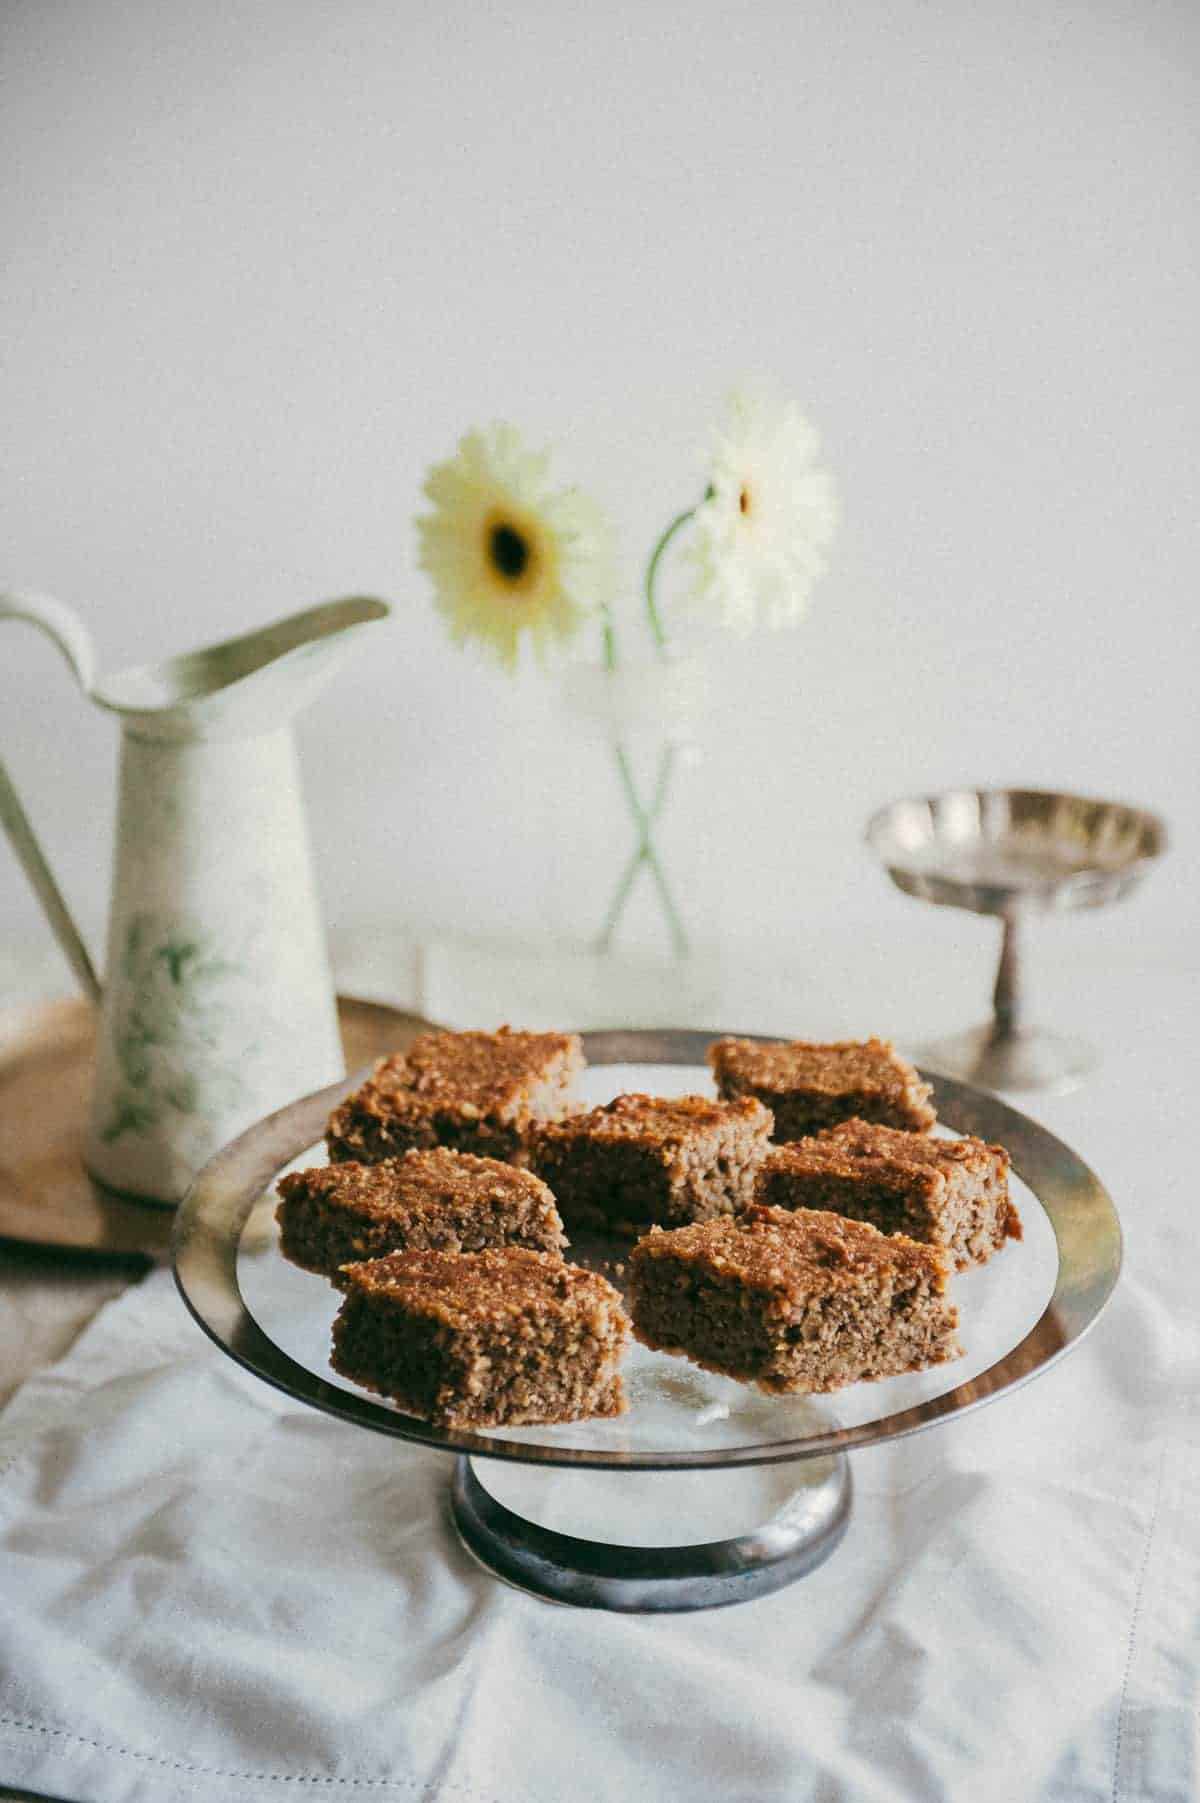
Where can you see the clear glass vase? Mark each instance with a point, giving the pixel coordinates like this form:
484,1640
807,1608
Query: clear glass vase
649,720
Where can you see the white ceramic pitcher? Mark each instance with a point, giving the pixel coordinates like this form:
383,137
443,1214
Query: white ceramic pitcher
218,1005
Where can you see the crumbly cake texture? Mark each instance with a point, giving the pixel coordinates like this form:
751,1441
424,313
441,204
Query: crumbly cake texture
474,1092
432,1200
809,1087
643,1158
483,1339
952,1193
793,1300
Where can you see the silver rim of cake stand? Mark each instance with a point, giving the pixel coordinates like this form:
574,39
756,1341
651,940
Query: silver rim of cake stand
204,1251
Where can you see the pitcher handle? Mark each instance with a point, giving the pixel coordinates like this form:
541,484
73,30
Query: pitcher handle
71,636
60,623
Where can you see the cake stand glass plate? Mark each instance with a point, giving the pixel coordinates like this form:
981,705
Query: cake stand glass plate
706,1491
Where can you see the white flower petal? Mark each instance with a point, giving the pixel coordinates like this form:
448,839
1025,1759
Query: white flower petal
770,514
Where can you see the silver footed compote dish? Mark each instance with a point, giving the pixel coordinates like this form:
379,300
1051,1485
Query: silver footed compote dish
706,1491
1013,853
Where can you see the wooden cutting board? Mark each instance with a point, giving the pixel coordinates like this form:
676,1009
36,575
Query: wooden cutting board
47,1054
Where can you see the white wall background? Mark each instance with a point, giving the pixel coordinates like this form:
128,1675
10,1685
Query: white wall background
263,263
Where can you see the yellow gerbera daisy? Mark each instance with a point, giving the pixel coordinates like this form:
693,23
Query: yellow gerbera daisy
508,554
768,518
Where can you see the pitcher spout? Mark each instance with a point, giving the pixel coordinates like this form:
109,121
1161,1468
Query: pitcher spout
249,684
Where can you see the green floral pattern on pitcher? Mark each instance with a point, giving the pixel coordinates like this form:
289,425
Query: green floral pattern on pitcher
171,1039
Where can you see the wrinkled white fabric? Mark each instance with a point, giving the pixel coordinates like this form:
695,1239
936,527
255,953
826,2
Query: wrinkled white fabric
207,1590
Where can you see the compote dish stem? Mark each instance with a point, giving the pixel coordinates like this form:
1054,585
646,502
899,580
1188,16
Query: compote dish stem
1008,1053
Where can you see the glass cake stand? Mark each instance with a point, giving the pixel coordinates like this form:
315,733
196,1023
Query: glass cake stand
706,1491
1012,853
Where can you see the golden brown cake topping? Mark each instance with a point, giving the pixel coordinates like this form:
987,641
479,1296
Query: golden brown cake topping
793,1251
656,1119
468,1284
487,1070
477,1092
901,1149
829,1069
416,1180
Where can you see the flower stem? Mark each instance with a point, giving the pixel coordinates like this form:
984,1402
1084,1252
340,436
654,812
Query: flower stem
657,630
646,852
609,638
666,765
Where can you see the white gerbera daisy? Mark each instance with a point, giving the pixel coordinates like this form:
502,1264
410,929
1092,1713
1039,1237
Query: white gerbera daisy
768,518
509,555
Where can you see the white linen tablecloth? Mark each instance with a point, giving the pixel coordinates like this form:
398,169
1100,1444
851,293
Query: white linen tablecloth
207,1590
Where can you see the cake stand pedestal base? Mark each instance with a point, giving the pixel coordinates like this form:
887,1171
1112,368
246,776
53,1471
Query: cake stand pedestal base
1017,1059
705,1574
